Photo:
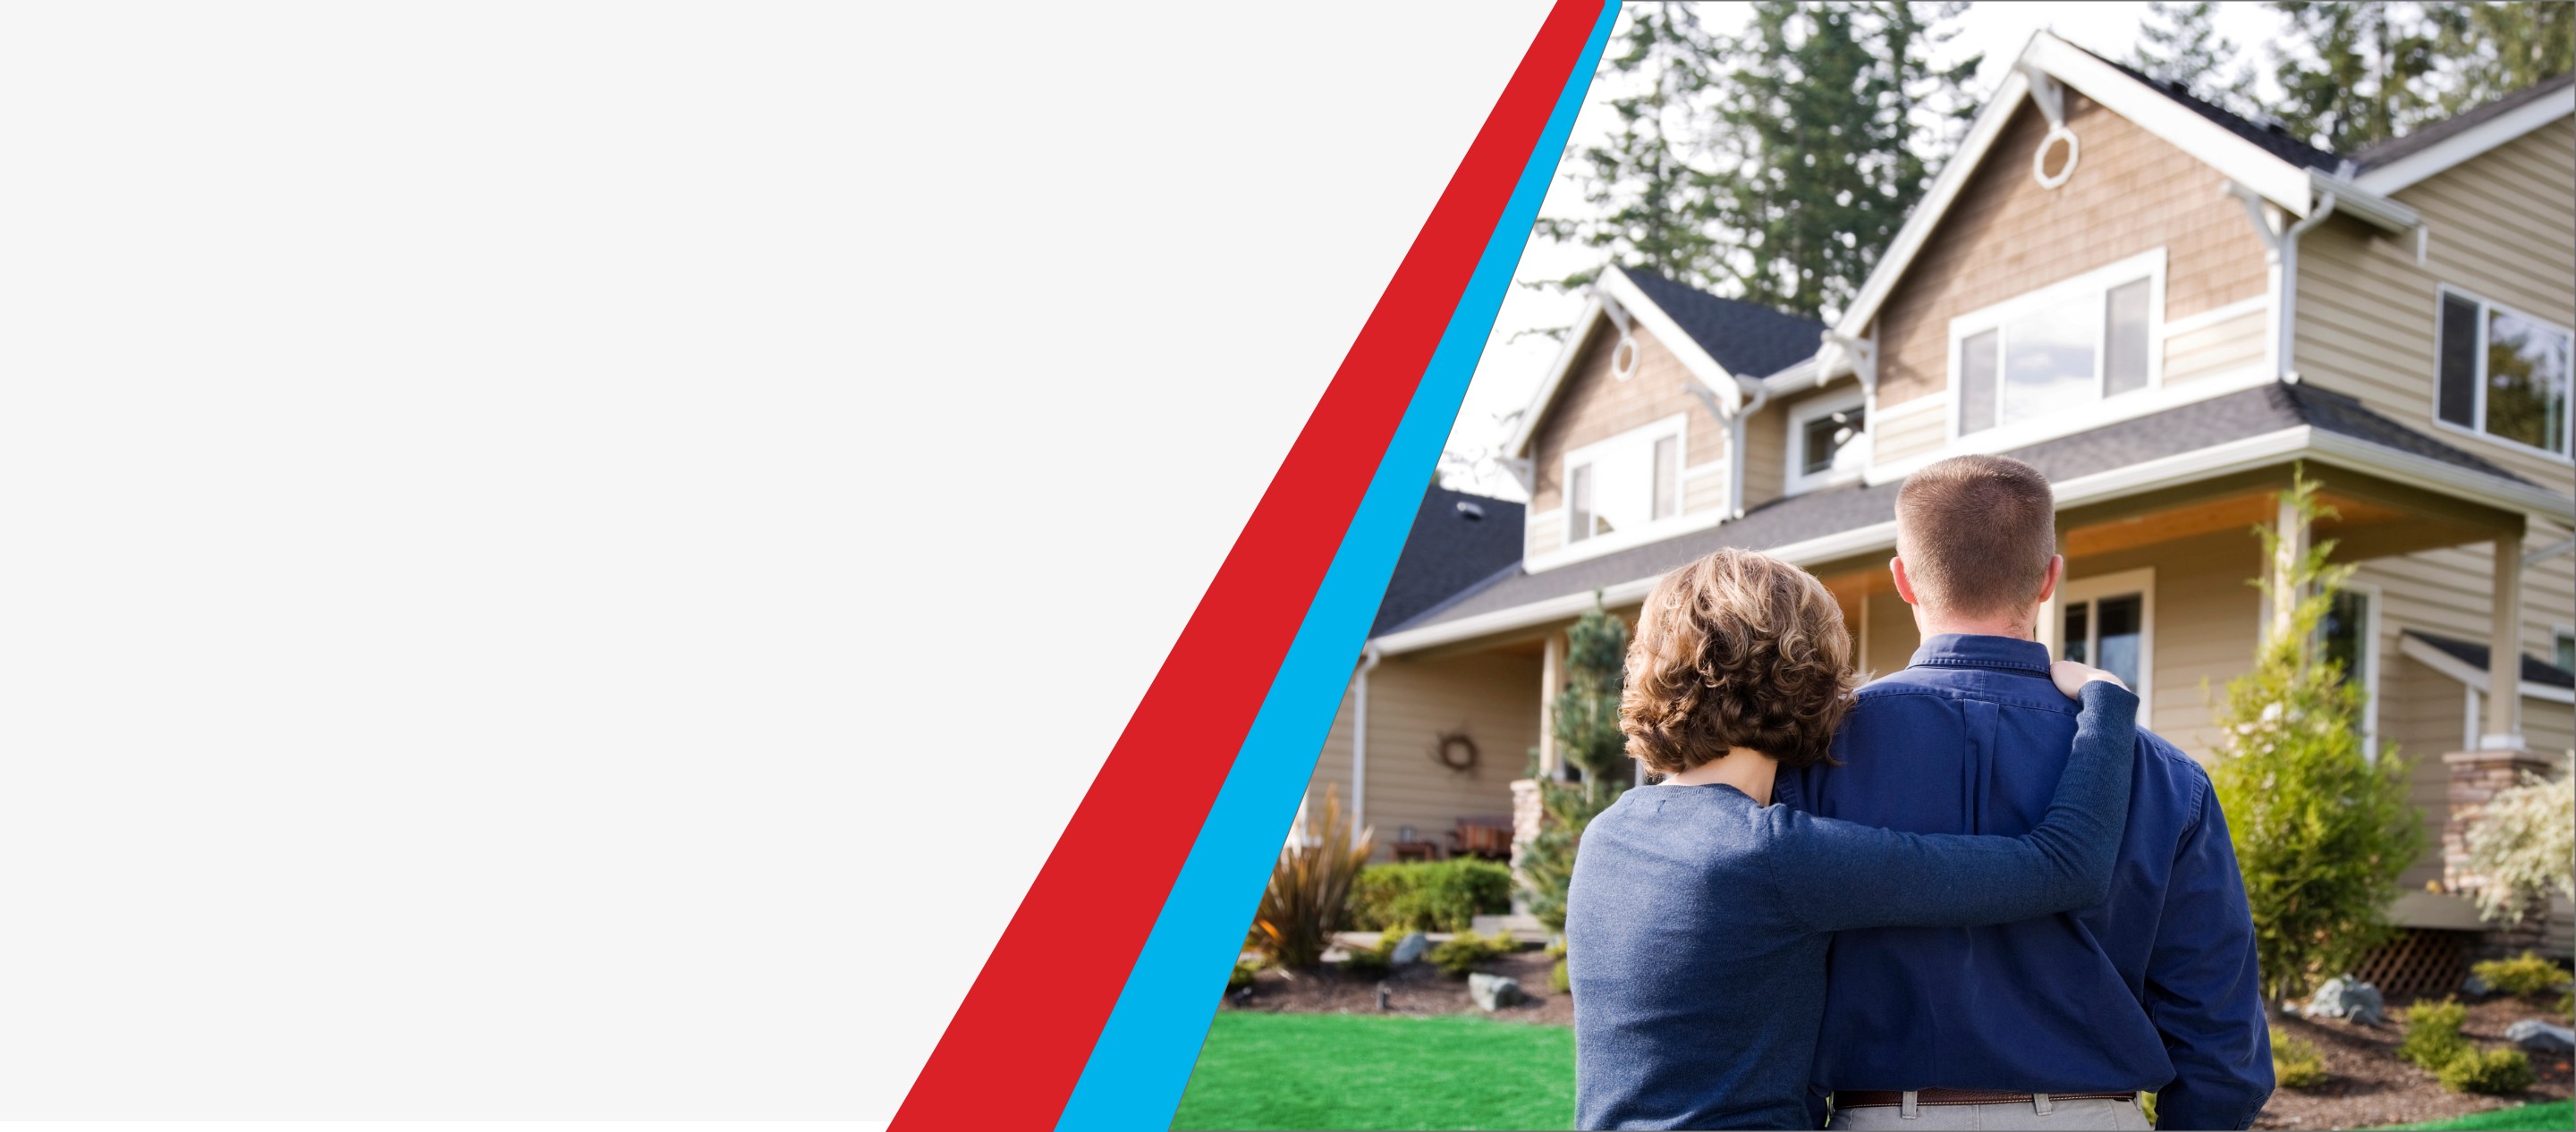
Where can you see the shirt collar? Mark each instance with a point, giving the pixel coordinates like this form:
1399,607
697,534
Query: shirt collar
1972,650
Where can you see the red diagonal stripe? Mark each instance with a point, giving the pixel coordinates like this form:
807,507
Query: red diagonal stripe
1018,1043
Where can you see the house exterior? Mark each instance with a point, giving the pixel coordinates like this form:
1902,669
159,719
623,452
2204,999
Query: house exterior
2166,308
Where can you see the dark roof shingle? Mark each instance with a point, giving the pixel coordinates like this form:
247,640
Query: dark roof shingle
2275,140
1457,540
2424,137
2534,669
1749,339
1798,518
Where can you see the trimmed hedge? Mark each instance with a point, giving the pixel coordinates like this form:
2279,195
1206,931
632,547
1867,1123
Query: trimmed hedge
1429,896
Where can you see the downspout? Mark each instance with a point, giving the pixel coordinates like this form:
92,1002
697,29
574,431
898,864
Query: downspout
1735,452
2281,251
1359,737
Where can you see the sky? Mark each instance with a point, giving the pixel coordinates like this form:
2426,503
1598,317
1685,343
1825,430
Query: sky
1515,357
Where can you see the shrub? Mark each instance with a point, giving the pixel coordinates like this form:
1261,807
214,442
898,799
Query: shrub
1557,979
2529,976
1430,896
1244,970
1374,962
2523,847
2433,1033
1309,889
2296,1064
2487,1071
2321,829
1587,737
1466,951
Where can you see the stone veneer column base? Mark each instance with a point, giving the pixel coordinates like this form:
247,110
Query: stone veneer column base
2476,777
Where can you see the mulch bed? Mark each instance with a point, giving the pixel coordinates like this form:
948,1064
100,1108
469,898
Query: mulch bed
2371,1085
1415,988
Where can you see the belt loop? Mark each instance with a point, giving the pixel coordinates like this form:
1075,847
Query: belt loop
2040,1105
1909,1108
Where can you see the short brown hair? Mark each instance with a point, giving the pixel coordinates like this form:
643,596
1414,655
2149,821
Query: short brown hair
1976,534
1737,649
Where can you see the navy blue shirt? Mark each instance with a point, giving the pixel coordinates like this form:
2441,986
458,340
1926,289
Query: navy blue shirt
1697,921
2154,988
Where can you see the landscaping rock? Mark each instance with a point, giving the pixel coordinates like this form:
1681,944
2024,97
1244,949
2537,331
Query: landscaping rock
1493,992
2476,987
2541,1037
1410,949
2350,999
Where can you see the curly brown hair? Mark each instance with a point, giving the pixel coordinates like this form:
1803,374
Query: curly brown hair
1737,649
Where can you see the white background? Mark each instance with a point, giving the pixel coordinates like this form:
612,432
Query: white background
569,560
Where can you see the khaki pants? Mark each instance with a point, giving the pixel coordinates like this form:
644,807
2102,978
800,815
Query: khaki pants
2040,1113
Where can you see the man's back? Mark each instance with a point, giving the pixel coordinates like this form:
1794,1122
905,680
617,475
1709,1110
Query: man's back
2155,989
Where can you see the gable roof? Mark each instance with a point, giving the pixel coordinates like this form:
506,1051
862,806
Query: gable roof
2426,137
1457,541
1858,518
2270,136
1749,339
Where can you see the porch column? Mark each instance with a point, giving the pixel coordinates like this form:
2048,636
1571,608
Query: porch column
1551,679
2286,553
2503,730
2051,629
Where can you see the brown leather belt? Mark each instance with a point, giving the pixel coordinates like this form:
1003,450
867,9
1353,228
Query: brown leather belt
1885,1098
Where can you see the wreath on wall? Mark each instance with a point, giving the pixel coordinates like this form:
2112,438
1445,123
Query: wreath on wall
1456,751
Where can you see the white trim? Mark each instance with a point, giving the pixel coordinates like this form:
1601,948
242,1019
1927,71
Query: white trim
2372,626
1676,427
1526,429
2478,375
2149,265
2209,318
2419,649
2247,454
2108,411
1676,341
1937,399
2469,143
1794,478
1695,471
2287,185
2469,718
2142,582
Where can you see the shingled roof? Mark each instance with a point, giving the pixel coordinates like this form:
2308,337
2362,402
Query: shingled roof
2534,669
1749,339
2274,139
1457,541
1816,514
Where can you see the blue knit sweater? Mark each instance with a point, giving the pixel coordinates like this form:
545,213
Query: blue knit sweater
1697,921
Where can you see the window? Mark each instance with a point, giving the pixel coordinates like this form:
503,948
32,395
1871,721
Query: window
2503,373
1822,435
2349,635
2108,622
2563,649
1624,483
2059,348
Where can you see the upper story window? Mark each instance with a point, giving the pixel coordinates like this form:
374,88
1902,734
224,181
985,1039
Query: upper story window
2504,374
2063,346
1624,483
1825,442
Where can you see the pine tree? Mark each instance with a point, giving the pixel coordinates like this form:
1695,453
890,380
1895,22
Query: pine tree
2180,43
2502,48
1831,117
2375,74
2322,829
1652,201
1586,716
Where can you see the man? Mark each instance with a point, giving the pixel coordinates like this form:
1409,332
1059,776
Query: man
2040,1023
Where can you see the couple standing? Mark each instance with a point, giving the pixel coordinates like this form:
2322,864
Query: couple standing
1973,894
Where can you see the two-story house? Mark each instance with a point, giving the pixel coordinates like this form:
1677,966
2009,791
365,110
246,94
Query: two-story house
2166,308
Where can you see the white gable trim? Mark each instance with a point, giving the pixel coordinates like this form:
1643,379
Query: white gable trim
2235,158
2469,143
2426,653
1615,288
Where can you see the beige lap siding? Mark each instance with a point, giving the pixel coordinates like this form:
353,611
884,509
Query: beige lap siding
1593,405
2206,621
1893,438
2503,228
1492,698
2006,236
2221,348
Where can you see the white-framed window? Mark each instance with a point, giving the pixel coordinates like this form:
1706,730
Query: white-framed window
1626,483
2109,622
2562,647
2501,374
2070,344
2349,634
1828,442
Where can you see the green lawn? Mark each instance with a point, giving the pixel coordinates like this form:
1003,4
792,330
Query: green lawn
1358,1071
2555,1114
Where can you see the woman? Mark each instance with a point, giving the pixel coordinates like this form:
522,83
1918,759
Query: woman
1699,913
